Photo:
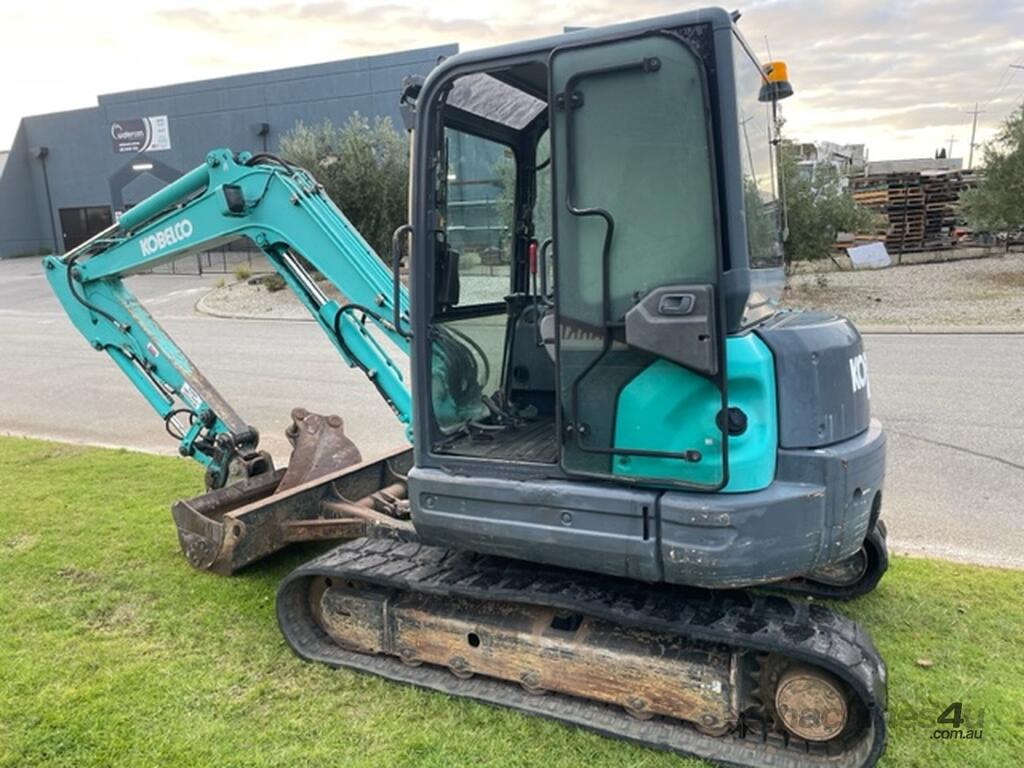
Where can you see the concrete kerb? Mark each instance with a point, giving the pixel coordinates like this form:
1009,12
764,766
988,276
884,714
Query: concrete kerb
941,330
840,262
202,308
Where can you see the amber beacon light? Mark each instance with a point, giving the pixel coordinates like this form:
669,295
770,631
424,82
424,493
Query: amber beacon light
776,82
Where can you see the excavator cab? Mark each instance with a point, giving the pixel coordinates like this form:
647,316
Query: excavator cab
574,236
596,264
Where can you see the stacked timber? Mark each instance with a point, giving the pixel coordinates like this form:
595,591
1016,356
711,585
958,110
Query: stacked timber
920,210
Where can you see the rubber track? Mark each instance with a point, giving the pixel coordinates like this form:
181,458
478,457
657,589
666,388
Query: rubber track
760,623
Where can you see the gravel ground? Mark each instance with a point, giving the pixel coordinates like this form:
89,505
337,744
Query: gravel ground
987,291
973,292
249,299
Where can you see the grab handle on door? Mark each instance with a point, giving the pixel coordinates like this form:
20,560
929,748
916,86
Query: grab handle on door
675,304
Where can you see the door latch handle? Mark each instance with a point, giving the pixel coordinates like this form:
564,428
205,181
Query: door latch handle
676,304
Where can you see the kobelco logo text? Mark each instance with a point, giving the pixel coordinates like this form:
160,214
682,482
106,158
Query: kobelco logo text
859,374
167,236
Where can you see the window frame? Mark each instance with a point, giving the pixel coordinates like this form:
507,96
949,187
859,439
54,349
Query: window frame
467,123
720,379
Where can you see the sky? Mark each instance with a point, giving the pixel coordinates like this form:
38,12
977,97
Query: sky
897,75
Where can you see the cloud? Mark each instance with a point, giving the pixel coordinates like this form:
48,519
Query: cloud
904,73
873,67
897,74
368,27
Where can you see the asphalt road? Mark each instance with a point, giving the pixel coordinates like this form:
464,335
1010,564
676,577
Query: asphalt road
54,385
951,404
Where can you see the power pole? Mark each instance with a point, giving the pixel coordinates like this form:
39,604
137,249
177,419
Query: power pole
952,141
974,130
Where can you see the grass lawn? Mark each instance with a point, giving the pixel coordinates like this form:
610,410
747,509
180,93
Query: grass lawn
114,652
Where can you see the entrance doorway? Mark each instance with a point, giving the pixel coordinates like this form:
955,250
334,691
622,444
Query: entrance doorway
79,224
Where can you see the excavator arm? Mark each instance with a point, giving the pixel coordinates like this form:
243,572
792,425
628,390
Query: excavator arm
288,216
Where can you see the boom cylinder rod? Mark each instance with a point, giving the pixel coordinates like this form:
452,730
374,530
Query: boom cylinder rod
194,181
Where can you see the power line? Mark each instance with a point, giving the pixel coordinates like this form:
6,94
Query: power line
997,93
1005,81
1013,100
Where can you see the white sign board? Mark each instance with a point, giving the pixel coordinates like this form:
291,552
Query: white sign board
141,134
870,256
159,133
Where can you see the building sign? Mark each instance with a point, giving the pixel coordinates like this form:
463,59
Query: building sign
141,134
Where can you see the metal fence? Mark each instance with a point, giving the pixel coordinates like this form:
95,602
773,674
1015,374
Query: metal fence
221,261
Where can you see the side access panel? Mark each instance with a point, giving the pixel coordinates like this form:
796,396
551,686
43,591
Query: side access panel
592,527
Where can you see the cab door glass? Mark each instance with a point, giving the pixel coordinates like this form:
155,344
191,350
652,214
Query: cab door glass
635,225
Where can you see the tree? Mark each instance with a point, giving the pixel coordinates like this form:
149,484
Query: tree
505,173
363,166
997,204
762,226
818,207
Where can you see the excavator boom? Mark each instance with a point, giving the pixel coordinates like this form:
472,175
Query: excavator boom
250,509
286,214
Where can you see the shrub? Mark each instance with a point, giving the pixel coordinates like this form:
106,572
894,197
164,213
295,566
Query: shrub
364,168
273,282
997,204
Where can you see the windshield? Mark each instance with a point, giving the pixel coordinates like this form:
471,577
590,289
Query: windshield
763,214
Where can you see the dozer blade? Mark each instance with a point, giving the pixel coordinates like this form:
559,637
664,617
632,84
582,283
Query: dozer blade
327,492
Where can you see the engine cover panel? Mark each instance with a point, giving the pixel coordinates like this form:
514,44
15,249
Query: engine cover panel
821,376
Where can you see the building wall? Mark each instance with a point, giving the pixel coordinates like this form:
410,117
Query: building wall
23,226
83,168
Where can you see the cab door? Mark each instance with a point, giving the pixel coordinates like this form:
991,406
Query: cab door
640,347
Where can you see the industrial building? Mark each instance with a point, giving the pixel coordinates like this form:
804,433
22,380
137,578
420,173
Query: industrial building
68,175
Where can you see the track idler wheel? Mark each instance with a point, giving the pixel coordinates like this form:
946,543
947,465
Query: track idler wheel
810,703
850,578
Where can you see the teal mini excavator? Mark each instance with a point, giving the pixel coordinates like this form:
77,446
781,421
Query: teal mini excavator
617,435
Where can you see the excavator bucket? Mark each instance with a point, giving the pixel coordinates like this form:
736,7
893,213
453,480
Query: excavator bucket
327,492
